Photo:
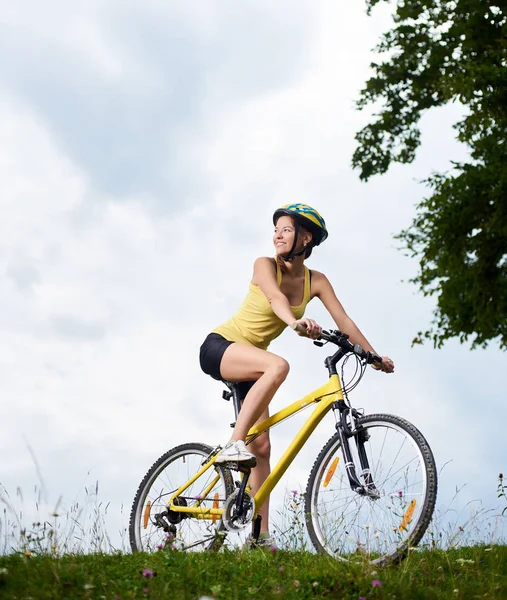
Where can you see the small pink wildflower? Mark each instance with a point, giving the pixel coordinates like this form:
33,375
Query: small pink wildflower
281,569
145,590
160,547
294,492
376,583
148,573
274,549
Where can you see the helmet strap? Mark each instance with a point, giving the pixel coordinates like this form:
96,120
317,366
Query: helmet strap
292,256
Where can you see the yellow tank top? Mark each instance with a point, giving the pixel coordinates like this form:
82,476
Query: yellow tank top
255,323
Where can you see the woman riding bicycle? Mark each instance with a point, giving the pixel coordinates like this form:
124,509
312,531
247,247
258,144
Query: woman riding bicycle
279,291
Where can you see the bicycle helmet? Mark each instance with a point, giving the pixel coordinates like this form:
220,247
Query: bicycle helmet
309,218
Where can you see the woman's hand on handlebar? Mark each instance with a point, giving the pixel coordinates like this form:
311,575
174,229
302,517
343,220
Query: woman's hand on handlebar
307,328
387,365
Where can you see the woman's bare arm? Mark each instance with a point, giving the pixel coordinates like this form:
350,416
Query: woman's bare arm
322,288
265,277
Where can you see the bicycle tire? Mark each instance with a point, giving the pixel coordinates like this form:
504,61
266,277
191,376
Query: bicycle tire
150,517
353,527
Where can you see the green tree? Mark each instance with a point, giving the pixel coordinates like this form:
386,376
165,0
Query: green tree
441,51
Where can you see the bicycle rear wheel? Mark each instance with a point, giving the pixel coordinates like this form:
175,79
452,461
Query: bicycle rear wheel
381,527
154,527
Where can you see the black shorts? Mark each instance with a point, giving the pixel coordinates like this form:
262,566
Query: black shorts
210,357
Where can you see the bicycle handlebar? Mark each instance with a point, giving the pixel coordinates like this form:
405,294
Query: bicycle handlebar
341,339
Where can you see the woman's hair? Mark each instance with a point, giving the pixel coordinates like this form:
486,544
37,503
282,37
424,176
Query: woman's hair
308,251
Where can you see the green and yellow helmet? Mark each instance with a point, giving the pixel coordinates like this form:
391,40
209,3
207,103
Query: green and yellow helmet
307,217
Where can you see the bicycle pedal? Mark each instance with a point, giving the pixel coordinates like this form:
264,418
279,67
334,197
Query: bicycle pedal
242,466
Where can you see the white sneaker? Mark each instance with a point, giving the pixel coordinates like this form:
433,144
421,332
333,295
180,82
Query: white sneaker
265,542
235,452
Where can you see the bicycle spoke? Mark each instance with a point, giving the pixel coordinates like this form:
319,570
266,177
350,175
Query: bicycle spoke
155,526
351,525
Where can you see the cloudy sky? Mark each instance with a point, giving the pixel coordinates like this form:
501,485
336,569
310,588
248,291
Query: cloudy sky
143,150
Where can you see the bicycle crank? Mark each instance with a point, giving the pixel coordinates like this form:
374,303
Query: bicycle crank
234,520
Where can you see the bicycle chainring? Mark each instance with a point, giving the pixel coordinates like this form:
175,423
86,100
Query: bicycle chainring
230,519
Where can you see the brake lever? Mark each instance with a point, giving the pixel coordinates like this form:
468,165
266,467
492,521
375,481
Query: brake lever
322,340
359,350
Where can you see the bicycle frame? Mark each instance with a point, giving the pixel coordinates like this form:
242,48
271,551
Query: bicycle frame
323,397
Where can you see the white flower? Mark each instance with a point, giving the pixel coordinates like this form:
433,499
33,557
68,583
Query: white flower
465,561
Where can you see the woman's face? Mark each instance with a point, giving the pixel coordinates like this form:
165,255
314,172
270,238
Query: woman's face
284,235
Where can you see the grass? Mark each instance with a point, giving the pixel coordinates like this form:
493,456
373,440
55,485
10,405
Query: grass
70,556
477,572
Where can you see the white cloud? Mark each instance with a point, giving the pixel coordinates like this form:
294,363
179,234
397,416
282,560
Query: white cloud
107,296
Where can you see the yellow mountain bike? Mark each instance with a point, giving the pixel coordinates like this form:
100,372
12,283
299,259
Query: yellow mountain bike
370,494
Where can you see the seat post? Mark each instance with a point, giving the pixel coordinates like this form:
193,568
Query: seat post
236,400
235,394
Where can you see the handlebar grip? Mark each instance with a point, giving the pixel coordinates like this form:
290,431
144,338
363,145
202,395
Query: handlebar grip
373,358
299,328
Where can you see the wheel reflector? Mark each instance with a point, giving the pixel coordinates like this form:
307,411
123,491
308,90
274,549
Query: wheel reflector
407,517
147,511
215,505
331,471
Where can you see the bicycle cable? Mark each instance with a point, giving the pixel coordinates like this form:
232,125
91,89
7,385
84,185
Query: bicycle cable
355,379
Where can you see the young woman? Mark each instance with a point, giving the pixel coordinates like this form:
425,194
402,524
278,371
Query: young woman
279,291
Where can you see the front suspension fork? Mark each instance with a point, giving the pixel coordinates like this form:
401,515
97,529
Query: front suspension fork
360,436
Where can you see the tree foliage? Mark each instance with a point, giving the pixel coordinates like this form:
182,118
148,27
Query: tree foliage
442,51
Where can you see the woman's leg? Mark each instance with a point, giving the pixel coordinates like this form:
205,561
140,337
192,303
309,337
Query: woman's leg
245,363
261,447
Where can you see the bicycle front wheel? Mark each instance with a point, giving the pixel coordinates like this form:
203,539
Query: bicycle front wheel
381,526
154,527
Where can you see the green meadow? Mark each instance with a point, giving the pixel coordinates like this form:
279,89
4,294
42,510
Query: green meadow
475,572
71,556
